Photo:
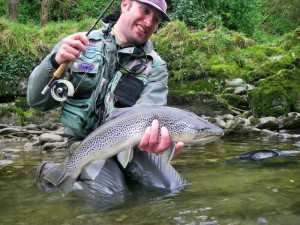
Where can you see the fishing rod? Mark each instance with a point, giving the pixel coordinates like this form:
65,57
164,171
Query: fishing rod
67,87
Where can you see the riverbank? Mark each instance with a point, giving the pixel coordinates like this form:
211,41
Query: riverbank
49,136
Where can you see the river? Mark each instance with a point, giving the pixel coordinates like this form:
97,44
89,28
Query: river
222,190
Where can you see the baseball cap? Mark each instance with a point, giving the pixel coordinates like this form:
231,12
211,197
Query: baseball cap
161,5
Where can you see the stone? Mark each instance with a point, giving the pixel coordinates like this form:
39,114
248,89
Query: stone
50,137
270,123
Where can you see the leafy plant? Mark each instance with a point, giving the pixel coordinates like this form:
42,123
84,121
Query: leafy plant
14,68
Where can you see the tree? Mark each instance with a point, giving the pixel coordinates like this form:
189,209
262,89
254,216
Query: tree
45,11
280,16
12,11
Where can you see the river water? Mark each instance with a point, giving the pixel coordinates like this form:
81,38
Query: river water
222,190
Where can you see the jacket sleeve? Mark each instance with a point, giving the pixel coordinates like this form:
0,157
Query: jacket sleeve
38,79
156,91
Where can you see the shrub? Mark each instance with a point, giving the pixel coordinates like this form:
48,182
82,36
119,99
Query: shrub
14,68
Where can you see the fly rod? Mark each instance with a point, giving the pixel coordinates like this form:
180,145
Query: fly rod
63,66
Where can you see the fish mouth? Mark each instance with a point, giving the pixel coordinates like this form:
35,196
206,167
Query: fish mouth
203,139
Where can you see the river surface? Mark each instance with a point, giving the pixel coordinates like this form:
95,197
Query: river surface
222,190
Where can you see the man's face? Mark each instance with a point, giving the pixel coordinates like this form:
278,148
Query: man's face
138,21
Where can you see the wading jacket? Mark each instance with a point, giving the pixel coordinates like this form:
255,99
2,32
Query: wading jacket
95,77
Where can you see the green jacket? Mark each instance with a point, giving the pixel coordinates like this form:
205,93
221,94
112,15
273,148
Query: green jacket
105,79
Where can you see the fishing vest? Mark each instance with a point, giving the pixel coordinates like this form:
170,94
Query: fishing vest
97,81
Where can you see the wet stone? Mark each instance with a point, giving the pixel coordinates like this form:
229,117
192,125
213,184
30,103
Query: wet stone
54,146
49,137
5,162
297,144
31,146
11,150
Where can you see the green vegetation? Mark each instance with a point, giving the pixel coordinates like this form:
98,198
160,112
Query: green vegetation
201,61
22,116
23,46
277,95
206,45
251,17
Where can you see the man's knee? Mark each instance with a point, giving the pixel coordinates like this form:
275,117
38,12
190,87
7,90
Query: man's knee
108,182
150,170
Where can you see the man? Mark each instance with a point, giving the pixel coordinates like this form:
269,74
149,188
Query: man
113,67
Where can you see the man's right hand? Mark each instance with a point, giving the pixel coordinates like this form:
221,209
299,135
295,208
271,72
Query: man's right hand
71,47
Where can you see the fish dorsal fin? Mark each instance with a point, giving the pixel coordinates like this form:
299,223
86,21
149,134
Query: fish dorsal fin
168,154
91,170
124,157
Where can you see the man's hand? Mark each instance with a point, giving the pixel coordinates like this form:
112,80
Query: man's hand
150,141
71,47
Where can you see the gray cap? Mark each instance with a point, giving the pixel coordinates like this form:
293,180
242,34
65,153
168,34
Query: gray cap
161,5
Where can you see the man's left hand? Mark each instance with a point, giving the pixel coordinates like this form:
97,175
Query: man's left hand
152,143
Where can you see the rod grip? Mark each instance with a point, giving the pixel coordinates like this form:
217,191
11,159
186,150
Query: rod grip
60,69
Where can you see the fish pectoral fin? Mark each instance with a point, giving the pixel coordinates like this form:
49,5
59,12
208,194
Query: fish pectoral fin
124,157
91,170
168,154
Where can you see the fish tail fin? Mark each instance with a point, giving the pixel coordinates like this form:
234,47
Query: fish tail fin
61,179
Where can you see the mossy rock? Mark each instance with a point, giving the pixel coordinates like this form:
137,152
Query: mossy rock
270,101
236,101
271,66
224,71
254,121
22,103
205,85
199,103
18,116
291,39
276,95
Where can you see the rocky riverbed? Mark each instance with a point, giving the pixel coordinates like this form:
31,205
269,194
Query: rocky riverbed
49,136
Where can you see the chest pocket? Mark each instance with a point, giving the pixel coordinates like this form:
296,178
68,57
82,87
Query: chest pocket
87,68
81,114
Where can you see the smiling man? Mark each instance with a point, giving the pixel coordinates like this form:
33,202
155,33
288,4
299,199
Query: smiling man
113,67
138,21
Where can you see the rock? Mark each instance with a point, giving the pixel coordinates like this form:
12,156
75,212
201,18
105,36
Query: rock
269,133
9,130
220,122
54,146
288,136
22,87
290,122
5,162
11,150
59,131
50,137
229,122
270,123
31,146
250,87
297,144
276,58
9,156
3,126
49,126
240,91
238,82
32,127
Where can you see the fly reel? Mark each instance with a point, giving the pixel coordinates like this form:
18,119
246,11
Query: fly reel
61,90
